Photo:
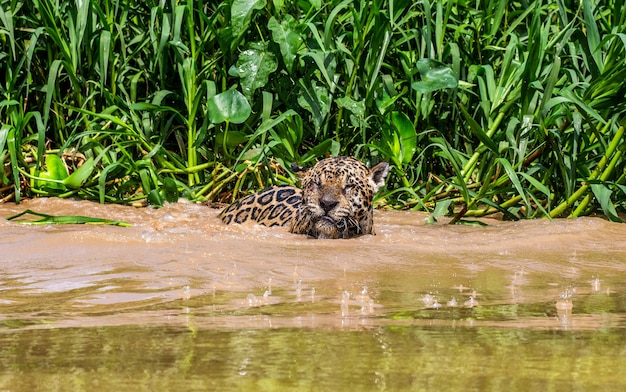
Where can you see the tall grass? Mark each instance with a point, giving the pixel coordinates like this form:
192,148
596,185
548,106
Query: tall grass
485,107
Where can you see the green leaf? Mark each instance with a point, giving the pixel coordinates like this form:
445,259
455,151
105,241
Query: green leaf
316,100
4,133
241,13
435,76
80,175
13,151
355,107
478,130
408,137
538,185
170,190
6,17
441,209
105,49
515,180
56,168
230,106
65,219
289,41
231,138
603,195
254,66
155,198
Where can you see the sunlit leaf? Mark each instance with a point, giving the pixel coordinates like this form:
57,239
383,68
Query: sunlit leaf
241,13
65,219
408,137
56,167
254,66
80,175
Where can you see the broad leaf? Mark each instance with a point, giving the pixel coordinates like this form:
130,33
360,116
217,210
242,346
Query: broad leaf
230,106
52,179
241,14
56,168
435,76
285,34
254,66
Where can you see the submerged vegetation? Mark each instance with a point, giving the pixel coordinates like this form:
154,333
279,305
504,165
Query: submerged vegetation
481,107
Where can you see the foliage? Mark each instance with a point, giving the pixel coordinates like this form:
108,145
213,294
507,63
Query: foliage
482,107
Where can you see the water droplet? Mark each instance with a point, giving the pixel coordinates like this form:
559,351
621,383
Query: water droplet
299,290
345,298
567,294
595,285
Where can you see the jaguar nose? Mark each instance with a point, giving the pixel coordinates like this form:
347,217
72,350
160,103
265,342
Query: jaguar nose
328,203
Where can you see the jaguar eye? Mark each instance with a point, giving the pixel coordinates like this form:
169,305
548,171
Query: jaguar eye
314,185
348,188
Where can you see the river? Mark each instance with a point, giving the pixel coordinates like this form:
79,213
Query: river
178,300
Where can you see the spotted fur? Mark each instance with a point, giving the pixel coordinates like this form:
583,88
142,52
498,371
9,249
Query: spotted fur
335,201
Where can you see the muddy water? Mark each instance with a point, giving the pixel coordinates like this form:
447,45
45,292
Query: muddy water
180,301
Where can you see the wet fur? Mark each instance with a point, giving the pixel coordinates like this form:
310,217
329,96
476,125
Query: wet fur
335,200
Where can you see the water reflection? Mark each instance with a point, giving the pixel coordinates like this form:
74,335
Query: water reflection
179,300
387,359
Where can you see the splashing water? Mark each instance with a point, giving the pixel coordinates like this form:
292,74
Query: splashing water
471,302
428,300
299,290
595,285
345,299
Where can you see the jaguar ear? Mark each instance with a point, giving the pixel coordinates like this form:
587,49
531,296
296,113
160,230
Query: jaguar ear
378,174
299,170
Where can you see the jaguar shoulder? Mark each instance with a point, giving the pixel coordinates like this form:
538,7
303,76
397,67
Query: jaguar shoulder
335,201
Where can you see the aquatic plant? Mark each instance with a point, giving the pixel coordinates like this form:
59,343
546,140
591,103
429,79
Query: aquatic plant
486,107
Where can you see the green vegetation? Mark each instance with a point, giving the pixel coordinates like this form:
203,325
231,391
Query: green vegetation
480,107
56,220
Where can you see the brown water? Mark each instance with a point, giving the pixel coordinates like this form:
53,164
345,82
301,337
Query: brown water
180,301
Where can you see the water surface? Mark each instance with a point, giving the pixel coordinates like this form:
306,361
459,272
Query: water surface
180,301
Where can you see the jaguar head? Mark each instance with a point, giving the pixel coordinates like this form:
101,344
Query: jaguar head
337,197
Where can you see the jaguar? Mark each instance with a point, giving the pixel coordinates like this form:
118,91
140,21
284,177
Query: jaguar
335,200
